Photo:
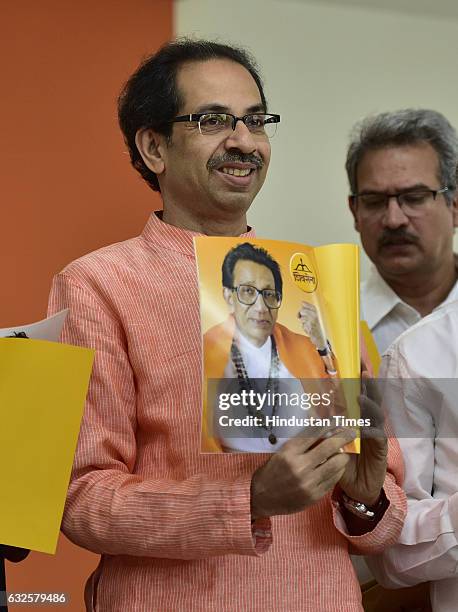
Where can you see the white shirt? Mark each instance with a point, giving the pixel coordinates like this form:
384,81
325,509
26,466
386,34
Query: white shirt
386,314
256,359
421,397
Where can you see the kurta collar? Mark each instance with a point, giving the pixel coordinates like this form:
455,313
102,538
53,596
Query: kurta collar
171,238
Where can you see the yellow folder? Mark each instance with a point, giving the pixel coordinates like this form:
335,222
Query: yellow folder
43,387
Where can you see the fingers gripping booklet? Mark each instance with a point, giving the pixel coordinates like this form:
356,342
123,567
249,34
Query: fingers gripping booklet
280,337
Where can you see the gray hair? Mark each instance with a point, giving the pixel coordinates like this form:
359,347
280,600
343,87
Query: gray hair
406,127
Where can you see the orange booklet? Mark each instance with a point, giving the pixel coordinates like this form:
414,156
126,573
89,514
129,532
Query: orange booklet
280,336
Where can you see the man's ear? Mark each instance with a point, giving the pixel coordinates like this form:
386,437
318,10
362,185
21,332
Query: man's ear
151,147
455,209
352,205
228,298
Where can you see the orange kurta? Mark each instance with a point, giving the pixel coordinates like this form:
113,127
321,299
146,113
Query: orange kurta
173,525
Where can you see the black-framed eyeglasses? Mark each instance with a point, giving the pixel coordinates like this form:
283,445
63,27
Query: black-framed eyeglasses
261,125
247,295
414,203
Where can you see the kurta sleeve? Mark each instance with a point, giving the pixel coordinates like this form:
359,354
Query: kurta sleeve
112,509
387,530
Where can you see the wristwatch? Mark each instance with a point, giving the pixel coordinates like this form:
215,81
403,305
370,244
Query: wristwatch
367,513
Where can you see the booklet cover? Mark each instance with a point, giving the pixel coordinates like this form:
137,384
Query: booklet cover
47,329
280,336
43,386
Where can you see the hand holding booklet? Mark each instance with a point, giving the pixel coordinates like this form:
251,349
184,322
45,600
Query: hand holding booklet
43,386
280,335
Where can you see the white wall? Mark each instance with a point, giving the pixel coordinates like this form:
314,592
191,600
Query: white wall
325,66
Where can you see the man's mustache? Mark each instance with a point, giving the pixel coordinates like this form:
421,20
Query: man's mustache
396,236
220,160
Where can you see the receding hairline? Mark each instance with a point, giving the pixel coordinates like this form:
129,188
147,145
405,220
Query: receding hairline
256,263
419,143
401,128
216,105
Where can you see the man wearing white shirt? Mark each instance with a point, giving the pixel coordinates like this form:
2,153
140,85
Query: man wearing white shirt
421,398
401,168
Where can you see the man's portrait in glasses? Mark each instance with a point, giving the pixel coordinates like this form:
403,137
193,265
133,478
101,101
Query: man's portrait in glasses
252,352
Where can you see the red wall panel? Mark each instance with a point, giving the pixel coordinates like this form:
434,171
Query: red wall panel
66,185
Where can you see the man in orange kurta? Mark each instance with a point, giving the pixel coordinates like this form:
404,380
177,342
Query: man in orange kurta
179,530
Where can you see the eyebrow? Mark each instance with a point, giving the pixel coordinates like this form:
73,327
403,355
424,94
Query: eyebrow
252,283
214,107
416,187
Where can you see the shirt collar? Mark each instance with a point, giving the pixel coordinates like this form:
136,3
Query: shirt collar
379,298
172,238
453,295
